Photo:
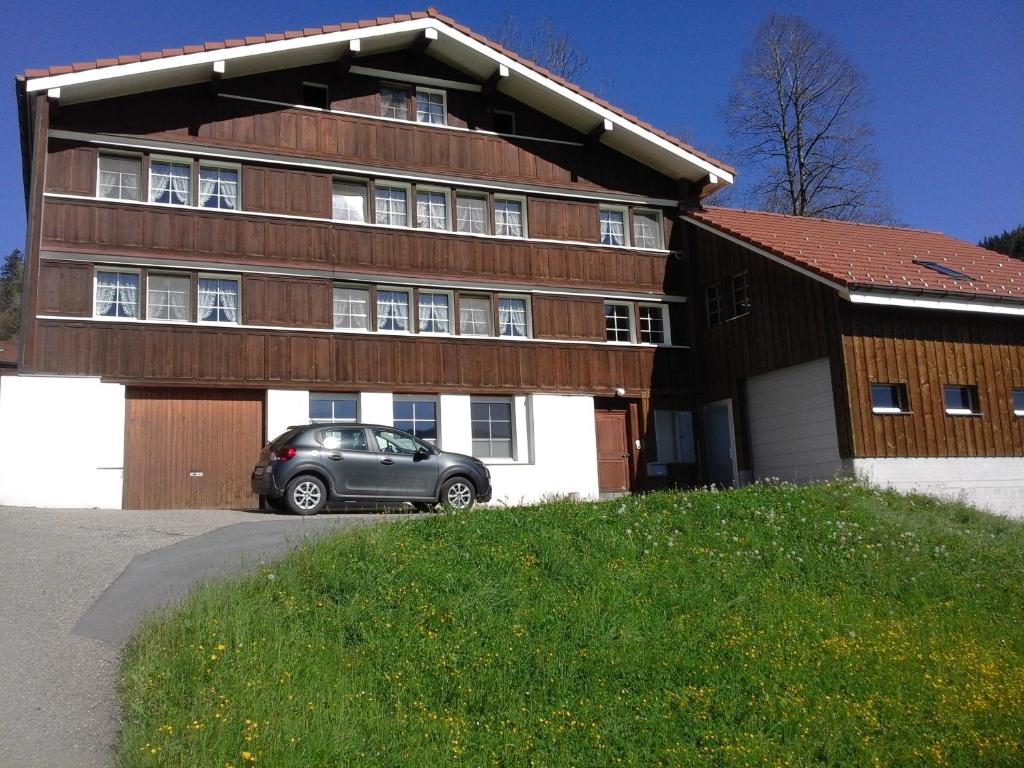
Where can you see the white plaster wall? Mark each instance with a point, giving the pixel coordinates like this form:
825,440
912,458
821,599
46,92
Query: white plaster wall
285,408
61,442
377,408
556,447
994,484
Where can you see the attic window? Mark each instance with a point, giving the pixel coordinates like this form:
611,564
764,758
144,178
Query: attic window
315,95
942,269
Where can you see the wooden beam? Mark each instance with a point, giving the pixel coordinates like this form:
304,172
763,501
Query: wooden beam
693,191
345,60
423,41
219,68
599,130
491,84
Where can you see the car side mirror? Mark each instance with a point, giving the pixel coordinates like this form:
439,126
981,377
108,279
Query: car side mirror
422,453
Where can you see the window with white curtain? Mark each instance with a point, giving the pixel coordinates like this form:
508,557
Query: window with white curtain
417,416
218,300
435,311
394,102
492,427
117,294
513,316
471,213
167,297
653,329
170,182
119,177
332,407
393,310
647,232
348,201
392,205
509,220
613,226
352,308
430,106
218,187
431,209
475,315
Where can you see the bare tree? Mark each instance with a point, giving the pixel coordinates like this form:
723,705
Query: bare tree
544,44
796,116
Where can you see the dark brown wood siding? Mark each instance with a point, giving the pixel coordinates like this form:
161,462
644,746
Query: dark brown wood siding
276,190
65,288
208,356
287,302
564,220
792,320
555,318
925,350
113,228
190,449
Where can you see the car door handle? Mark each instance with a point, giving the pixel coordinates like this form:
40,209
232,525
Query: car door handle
386,461
336,457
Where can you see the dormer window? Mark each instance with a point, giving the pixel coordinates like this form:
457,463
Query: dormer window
942,269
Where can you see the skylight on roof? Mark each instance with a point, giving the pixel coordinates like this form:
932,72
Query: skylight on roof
942,269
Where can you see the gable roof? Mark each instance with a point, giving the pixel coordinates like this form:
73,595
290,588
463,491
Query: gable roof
458,45
871,256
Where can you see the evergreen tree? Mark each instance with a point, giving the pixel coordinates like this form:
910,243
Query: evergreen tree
11,274
1010,243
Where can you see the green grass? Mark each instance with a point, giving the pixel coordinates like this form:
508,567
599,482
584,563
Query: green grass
819,626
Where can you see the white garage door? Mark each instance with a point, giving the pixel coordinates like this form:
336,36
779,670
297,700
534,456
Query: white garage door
792,422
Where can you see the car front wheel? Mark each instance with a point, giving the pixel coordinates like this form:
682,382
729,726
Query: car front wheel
458,493
306,495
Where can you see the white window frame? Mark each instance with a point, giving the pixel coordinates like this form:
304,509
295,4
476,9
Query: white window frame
174,160
1013,391
903,396
707,305
975,395
529,316
434,92
490,321
138,300
513,423
410,210
237,167
447,207
143,189
521,199
412,318
327,92
659,225
629,314
320,396
218,276
488,213
392,86
435,399
626,224
452,319
365,184
667,331
187,277
370,321
745,275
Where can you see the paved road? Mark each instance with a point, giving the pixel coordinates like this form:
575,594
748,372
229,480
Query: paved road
73,584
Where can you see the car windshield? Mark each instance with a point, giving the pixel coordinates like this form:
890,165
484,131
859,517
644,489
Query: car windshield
392,441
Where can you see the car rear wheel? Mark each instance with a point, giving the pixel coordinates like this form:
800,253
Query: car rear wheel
458,493
306,495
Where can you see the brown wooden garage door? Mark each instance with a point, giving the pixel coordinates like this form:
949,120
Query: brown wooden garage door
190,448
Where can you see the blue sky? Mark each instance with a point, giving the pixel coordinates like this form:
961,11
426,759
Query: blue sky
946,77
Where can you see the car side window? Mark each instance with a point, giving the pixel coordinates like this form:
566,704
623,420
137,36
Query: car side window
346,439
389,441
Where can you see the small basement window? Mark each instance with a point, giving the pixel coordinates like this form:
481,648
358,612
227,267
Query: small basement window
942,269
889,398
961,399
316,95
1018,402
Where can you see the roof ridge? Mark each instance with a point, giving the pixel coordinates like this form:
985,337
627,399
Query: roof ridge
898,227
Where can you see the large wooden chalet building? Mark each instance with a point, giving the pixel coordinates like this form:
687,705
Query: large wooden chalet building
398,221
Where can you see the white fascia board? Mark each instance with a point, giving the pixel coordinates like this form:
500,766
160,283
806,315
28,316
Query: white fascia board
72,79
222,54
768,255
948,304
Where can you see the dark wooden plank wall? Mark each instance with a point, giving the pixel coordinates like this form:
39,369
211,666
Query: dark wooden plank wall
65,288
114,228
793,320
926,350
194,114
208,356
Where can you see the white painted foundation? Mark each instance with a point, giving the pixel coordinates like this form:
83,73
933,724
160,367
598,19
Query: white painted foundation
993,484
61,442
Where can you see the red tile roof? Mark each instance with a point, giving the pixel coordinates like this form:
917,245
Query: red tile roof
379,21
872,255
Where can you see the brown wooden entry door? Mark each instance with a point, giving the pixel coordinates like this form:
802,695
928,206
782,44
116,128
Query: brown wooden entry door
612,451
190,449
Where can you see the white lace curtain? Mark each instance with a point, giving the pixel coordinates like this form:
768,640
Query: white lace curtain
512,317
612,230
117,294
170,179
392,311
218,301
472,215
434,314
221,184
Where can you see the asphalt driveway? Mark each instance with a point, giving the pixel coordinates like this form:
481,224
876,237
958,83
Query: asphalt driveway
73,585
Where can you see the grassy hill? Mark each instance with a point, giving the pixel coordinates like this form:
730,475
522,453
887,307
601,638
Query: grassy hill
828,626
